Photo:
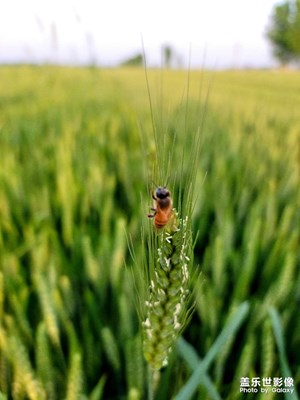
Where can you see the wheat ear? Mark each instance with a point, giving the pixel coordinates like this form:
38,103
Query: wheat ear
167,305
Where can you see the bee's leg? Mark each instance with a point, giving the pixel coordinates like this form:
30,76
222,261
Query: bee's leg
153,214
153,197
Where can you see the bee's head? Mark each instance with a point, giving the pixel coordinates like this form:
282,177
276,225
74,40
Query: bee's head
162,192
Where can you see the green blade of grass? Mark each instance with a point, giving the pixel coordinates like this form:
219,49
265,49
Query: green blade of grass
192,359
278,334
230,329
97,392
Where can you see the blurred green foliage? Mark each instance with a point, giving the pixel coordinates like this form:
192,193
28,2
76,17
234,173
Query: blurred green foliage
76,150
284,31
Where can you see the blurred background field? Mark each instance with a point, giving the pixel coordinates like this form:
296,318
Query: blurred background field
76,146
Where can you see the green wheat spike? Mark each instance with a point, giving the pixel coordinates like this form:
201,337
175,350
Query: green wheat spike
61,312
48,308
24,376
18,301
287,219
247,270
44,365
281,288
66,186
209,306
283,234
218,273
3,339
90,262
5,372
107,205
75,378
274,258
67,295
18,390
285,280
73,340
169,293
90,347
206,302
110,347
19,308
270,220
228,232
268,350
117,262
245,365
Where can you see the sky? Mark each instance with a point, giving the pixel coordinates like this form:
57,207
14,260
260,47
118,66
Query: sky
209,33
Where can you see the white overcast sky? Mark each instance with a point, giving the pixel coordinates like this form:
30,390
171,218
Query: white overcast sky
220,33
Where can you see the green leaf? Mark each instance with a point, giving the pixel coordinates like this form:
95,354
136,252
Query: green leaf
192,359
278,333
230,329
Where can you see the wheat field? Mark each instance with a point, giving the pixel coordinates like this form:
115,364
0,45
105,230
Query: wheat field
76,159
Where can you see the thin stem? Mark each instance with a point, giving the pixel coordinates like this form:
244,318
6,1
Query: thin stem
150,384
153,380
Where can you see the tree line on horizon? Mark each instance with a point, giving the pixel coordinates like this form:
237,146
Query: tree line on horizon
283,32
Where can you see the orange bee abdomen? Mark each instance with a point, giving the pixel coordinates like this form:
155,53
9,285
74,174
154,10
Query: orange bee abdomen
163,207
161,219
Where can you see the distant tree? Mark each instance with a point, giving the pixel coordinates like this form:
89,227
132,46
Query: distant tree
135,61
168,55
284,31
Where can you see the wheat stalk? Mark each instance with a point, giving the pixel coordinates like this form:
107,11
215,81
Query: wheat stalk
166,309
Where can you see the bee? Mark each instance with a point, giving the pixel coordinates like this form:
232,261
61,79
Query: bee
162,210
